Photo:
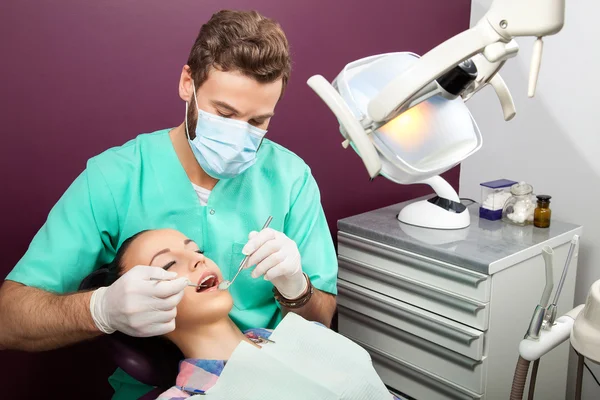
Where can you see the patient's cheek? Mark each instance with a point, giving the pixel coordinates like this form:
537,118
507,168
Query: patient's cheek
185,308
189,297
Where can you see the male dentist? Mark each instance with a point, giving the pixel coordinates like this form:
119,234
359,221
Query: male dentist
217,179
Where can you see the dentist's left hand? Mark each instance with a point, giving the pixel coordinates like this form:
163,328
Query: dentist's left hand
277,258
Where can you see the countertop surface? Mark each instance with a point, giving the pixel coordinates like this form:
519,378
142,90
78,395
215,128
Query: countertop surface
476,247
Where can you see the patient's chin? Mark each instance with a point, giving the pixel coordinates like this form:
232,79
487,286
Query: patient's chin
196,309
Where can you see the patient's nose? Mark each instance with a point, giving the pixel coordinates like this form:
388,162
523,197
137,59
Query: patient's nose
197,260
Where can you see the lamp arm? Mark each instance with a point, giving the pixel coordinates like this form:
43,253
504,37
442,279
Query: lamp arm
491,36
395,97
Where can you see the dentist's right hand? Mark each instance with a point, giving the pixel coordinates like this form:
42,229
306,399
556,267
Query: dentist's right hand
137,305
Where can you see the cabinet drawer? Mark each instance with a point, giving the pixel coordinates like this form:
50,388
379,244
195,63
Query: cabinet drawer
444,363
430,271
436,300
414,381
434,328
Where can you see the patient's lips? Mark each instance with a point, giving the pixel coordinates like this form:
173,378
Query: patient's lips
208,282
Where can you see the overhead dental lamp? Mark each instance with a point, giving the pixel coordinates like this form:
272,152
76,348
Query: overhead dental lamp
405,115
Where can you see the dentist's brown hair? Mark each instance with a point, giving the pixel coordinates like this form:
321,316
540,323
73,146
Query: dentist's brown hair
243,41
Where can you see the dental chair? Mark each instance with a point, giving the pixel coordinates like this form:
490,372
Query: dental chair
152,361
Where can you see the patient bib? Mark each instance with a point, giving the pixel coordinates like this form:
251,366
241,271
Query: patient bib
306,361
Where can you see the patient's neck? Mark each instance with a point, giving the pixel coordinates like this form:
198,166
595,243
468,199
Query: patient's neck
213,341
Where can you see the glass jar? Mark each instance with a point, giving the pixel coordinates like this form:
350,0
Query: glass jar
542,213
519,208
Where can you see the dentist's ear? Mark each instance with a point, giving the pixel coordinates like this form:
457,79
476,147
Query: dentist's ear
186,84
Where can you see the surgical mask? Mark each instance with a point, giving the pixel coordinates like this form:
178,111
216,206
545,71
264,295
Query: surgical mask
223,147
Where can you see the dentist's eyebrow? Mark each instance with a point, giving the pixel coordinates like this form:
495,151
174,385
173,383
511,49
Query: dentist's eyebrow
232,109
226,106
264,116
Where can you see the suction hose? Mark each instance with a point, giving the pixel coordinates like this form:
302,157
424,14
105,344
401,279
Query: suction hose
519,379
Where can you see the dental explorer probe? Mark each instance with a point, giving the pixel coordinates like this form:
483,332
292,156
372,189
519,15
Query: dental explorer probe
225,284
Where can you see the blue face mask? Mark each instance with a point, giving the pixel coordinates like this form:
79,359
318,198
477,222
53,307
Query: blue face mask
224,147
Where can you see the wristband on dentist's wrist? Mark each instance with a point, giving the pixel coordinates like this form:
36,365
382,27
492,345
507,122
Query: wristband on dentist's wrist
298,302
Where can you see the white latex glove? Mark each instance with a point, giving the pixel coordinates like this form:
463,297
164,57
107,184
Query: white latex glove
276,256
138,306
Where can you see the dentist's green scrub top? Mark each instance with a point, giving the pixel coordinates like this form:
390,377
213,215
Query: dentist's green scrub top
142,185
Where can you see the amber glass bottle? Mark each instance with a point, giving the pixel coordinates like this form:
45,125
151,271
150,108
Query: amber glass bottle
542,213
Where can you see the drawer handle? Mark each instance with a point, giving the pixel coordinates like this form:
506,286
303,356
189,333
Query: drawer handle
409,285
415,261
412,373
415,341
409,316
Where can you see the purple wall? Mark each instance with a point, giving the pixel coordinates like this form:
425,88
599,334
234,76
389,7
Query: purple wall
79,77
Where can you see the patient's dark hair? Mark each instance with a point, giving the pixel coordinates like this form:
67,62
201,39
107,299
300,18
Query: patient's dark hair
116,267
109,273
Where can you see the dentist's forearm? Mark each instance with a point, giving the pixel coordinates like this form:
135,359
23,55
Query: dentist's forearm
35,320
320,308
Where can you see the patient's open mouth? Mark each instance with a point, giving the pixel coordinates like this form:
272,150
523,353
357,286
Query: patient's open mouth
208,282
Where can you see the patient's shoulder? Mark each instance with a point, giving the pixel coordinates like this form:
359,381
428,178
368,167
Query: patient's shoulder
258,333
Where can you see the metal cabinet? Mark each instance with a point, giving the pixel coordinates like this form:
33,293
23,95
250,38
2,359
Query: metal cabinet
442,319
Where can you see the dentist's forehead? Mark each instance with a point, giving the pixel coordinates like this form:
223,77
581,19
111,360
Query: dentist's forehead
241,92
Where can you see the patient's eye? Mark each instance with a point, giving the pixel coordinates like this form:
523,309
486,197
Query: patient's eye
199,251
169,265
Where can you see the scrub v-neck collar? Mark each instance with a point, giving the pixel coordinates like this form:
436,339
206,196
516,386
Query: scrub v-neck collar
175,185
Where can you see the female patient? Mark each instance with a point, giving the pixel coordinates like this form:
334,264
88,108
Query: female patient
204,332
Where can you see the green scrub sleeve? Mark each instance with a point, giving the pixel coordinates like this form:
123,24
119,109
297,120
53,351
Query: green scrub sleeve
307,226
74,240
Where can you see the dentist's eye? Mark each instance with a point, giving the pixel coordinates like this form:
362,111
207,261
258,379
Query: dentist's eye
254,122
